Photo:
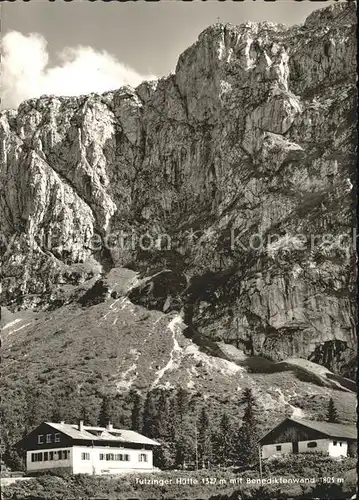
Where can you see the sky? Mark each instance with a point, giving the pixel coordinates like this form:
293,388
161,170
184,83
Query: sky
74,48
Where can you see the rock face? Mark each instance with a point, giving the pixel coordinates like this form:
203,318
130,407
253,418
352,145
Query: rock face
236,175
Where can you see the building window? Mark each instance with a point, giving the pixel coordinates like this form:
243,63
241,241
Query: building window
48,438
334,443
36,457
278,447
57,437
51,457
40,439
85,456
116,457
340,443
46,456
60,454
312,444
66,454
143,457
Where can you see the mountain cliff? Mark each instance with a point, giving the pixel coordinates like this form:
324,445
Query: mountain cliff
218,202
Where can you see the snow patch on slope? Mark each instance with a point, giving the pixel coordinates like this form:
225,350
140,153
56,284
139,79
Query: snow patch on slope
20,328
175,353
129,375
297,412
11,323
223,366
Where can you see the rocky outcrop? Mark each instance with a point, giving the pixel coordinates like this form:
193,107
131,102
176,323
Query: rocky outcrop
238,167
161,291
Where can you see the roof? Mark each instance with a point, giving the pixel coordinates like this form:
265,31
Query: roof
89,433
332,430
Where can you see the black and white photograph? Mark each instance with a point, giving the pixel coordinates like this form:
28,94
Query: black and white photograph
178,250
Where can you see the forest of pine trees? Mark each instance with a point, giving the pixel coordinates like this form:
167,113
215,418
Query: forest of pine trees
191,435
193,432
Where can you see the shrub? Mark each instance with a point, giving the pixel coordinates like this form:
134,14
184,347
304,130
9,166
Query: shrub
325,492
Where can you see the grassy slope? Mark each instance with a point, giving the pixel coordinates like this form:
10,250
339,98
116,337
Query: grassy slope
116,345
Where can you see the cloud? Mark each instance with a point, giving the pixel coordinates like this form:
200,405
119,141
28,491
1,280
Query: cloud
25,72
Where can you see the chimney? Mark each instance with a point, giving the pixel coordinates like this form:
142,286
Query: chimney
109,427
81,425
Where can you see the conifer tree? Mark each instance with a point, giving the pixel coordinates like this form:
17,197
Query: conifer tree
182,399
105,414
224,442
162,422
38,409
12,457
149,415
248,397
56,415
204,442
173,417
90,407
136,411
185,443
84,415
68,404
164,432
121,409
248,434
184,430
332,414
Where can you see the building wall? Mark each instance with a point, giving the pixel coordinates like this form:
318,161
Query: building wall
322,446
96,466
93,465
269,450
48,464
338,449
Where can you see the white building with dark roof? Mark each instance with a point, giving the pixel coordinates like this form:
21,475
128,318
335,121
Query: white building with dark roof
294,435
83,449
